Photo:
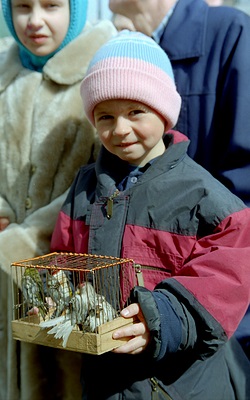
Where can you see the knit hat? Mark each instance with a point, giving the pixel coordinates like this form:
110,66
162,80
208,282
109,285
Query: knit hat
78,15
132,66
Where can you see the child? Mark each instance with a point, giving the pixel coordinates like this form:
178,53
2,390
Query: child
44,139
147,200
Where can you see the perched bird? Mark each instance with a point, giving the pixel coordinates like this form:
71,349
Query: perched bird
32,288
59,290
76,313
100,311
87,309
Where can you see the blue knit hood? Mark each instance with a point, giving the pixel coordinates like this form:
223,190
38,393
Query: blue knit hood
78,15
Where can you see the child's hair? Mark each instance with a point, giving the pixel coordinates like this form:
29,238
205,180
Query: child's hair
78,15
132,66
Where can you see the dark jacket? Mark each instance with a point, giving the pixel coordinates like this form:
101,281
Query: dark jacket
209,51
194,234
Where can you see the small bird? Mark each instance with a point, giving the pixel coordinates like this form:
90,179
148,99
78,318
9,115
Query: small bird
59,290
76,313
32,288
87,309
100,311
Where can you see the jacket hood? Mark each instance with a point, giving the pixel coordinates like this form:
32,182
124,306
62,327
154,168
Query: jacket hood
110,169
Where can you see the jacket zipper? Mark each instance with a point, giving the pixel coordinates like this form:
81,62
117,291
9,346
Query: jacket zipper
156,389
110,203
138,270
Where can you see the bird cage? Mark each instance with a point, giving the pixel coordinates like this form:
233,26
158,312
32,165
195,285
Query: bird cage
71,301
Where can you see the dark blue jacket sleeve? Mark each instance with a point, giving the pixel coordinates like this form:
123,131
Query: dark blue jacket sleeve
162,321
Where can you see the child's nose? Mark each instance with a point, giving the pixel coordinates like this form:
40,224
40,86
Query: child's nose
122,126
35,19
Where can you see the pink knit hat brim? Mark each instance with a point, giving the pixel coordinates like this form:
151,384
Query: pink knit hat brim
123,78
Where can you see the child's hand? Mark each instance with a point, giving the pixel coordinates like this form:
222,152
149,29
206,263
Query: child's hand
4,222
138,332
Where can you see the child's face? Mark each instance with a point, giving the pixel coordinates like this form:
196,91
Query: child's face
41,25
130,130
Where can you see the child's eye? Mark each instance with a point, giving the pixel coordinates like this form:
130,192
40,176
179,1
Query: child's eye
101,117
52,5
21,5
136,112
105,117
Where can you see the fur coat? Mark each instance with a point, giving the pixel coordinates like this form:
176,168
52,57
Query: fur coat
44,139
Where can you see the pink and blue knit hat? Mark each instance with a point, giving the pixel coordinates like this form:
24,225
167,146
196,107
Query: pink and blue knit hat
132,66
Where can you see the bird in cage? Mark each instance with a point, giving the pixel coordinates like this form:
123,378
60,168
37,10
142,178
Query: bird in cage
32,288
87,309
59,290
100,311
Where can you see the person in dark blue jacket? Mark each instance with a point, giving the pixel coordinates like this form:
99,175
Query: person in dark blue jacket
209,51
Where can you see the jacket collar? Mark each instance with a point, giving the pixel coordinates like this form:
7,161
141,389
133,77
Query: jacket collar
184,36
62,69
110,169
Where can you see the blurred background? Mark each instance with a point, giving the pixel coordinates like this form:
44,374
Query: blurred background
98,9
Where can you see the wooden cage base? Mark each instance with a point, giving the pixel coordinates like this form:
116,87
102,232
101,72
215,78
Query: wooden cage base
28,330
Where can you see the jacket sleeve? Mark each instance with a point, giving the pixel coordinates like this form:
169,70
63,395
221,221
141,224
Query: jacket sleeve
162,320
232,109
62,238
71,232
202,306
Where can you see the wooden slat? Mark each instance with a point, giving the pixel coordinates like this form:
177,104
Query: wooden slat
78,341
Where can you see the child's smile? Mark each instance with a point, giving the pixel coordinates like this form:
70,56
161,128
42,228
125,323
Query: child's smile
130,130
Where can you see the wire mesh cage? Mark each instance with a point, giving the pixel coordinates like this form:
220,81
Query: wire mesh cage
71,301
